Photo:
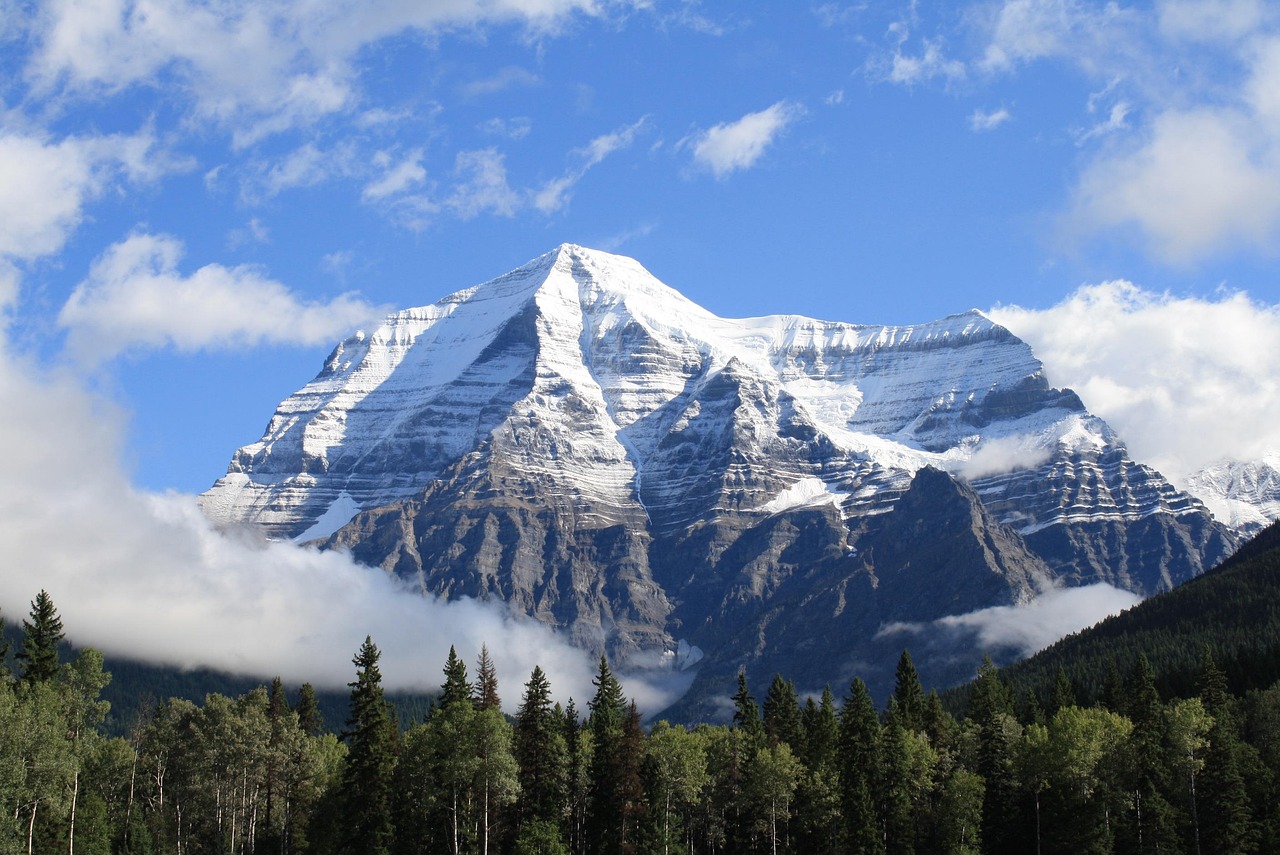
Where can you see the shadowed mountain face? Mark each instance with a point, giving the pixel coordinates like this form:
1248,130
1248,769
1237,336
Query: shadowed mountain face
580,441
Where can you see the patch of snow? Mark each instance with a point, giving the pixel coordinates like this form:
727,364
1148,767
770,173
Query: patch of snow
809,490
338,514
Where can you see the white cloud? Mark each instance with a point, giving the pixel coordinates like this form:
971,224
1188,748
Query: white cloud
1117,120
931,64
737,145
1184,380
515,128
1003,454
47,184
1209,20
146,576
135,297
482,185
510,77
1030,627
989,120
1197,182
396,177
254,68
555,194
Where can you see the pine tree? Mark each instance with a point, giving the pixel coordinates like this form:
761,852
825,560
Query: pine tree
782,714
309,719
1064,694
991,709
909,694
4,655
541,753
455,689
486,687
606,723
746,715
41,635
366,782
860,738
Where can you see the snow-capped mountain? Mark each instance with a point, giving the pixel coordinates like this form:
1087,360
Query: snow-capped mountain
1244,495
583,442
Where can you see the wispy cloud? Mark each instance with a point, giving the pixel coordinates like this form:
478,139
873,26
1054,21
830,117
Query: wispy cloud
555,194
136,297
1185,380
738,145
511,77
989,120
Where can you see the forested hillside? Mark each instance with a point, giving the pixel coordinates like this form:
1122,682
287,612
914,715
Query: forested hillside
1133,773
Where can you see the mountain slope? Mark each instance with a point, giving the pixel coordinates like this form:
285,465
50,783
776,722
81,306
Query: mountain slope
580,440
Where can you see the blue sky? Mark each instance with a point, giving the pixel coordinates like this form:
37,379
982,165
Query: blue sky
198,199
874,162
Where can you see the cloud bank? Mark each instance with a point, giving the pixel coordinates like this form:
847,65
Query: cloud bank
1184,380
1026,628
145,575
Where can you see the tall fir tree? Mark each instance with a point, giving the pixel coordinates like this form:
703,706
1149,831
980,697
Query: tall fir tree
456,688
860,737
40,638
309,719
486,689
909,694
541,753
366,783
746,714
607,720
991,709
782,715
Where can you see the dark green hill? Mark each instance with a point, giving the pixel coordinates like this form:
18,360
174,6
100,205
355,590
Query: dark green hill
1233,610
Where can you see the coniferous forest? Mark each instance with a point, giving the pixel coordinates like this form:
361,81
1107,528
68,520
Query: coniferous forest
1130,772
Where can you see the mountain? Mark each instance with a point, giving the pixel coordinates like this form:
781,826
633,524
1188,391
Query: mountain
581,441
1244,495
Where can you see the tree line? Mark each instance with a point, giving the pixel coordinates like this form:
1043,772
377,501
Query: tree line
253,775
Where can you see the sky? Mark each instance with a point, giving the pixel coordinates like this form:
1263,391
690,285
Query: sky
198,200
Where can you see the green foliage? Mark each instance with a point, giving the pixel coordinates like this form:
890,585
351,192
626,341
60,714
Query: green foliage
40,638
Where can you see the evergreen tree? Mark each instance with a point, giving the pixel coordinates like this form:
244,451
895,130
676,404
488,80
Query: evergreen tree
909,694
860,738
608,718
746,715
1064,694
366,782
541,753
455,688
782,714
41,635
309,719
991,709
1225,814
632,804
4,655
486,682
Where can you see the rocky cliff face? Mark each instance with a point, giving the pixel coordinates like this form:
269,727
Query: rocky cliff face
581,441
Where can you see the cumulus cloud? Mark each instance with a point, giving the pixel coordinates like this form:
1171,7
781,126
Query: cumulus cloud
135,296
145,575
1184,380
396,176
729,147
254,68
1028,628
47,184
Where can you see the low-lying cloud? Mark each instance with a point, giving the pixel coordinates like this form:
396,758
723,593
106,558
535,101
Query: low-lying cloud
1028,628
146,576
1003,454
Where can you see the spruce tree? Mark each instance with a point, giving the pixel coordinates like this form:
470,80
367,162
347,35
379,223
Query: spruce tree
41,635
541,753
860,738
366,782
782,714
606,723
455,689
909,694
486,688
991,709
309,719
746,715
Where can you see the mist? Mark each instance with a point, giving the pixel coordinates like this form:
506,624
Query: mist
145,575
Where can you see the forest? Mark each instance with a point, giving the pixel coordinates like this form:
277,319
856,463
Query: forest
1131,772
